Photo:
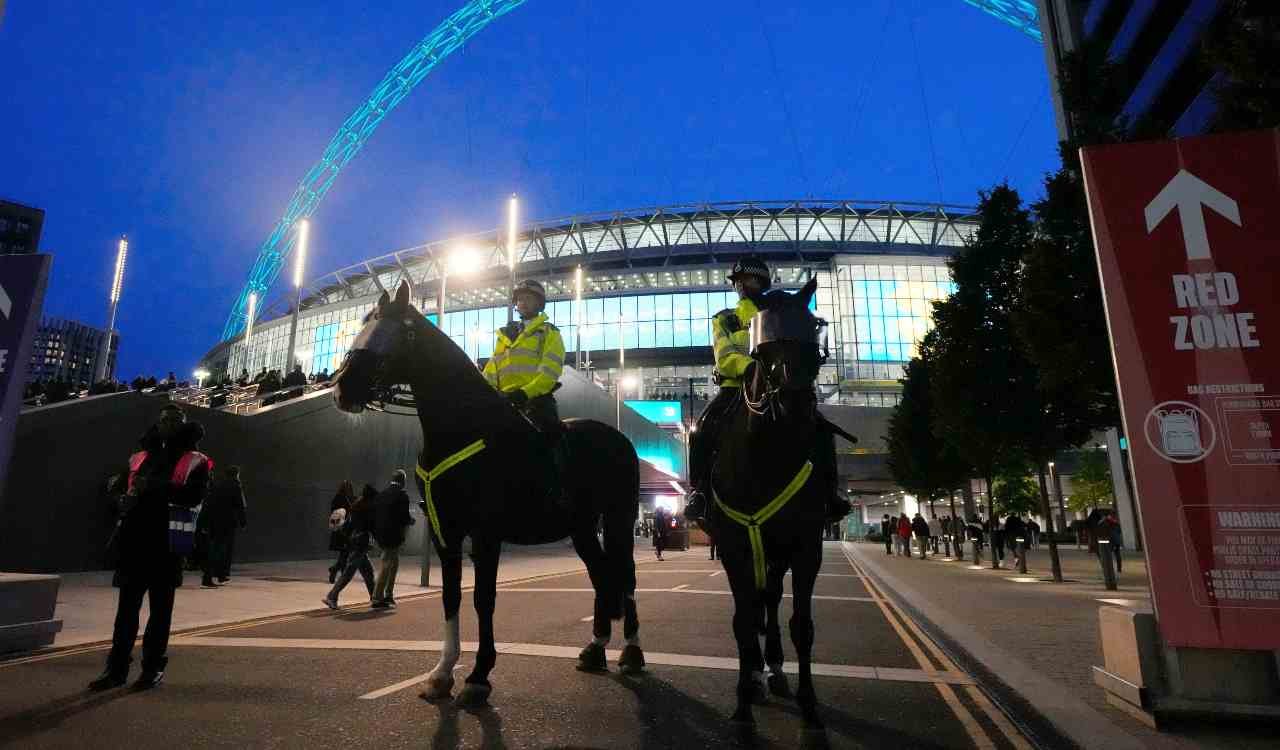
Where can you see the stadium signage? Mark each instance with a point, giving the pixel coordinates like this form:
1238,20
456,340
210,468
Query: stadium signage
1190,304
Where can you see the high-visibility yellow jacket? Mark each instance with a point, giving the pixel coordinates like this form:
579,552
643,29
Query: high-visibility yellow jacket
730,339
532,362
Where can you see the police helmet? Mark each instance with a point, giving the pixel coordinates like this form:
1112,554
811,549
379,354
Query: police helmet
751,265
530,286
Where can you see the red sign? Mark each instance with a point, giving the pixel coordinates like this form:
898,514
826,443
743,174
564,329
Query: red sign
1188,239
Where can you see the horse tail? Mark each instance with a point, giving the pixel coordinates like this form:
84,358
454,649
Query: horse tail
619,528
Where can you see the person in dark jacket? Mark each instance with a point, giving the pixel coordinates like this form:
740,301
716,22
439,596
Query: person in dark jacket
338,526
920,528
391,519
147,566
359,528
226,514
887,531
1014,529
997,538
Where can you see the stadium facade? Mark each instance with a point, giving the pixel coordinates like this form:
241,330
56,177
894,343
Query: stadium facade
650,281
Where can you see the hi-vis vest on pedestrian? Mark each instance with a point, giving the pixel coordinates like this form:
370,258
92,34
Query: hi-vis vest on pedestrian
532,362
730,339
182,520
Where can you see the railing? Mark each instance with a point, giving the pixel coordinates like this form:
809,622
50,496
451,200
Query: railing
243,399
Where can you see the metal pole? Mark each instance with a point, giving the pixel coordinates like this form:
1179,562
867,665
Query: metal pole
300,259
1020,549
248,331
512,214
622,363
577,324
117,282
444,280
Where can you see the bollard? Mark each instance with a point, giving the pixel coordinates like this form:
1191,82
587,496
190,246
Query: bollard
946,543
977,553
1108,564
1020,549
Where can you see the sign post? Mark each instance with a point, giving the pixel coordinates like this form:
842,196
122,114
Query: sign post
1188,240
22,284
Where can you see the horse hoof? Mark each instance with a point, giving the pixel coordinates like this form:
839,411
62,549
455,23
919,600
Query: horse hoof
473,695
778,685
438,688
592,659
632,660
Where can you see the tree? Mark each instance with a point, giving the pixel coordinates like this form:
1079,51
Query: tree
978,360
1244,47
920,461
1015,493
1091,484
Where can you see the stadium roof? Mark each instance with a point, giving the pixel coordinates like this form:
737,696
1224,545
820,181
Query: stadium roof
649,242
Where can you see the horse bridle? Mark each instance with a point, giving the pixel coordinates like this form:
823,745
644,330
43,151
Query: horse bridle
768,400
388,398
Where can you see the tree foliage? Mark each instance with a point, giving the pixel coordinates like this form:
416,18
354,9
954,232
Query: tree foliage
1091,484
1244,47
1015,493
920,461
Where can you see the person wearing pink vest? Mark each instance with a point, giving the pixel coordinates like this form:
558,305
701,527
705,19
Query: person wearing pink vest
168,477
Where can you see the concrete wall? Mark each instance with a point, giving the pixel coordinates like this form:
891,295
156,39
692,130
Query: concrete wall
292,456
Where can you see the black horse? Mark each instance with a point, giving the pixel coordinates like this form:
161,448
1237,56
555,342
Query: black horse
769,501
483,473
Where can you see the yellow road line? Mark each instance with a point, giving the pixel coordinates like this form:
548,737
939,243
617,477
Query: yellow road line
971,726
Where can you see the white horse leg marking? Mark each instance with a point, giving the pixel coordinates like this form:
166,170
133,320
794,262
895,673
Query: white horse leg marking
601,640
450,652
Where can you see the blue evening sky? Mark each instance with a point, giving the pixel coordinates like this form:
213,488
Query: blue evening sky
187,126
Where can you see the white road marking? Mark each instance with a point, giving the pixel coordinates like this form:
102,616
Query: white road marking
588,618
388,690
680,590
571,652
717,573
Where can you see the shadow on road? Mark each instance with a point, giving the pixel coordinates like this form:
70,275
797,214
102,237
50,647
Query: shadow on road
49,716
448,737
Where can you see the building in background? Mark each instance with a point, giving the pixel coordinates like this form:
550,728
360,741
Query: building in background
20,228
651,281
1165,82
67,350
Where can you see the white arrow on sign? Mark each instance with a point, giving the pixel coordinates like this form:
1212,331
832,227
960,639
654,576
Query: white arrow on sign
6,304
1189,194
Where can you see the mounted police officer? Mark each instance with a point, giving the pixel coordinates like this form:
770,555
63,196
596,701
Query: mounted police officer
730,341
528,359
730,333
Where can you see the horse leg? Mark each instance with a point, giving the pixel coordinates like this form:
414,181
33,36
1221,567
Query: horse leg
773,632
585,543
484,556
803,576
440,680
746,618
619,550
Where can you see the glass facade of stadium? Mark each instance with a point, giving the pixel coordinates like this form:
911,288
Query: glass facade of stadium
650,282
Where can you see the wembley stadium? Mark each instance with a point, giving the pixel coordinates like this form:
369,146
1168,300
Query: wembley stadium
638,288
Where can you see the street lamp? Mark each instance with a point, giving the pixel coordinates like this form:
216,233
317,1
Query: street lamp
462,261
300,259
577,322
513,214
200,375
248,330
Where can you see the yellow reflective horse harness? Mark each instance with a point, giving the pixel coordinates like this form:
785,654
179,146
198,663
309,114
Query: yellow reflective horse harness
755,520
440,468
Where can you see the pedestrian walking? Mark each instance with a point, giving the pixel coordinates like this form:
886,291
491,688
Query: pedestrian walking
1033,532
1109,529
359,523
339,507
920,528
904,535
226,511
168,477
888,530
997,538
661,528
391,519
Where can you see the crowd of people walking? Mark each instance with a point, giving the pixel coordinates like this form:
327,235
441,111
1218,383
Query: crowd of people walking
898,534
356,525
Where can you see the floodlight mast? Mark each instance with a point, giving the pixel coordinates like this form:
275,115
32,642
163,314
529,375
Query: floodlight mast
100,369
300,259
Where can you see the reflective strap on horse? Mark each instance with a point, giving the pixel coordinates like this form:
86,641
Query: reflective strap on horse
434,473
754,521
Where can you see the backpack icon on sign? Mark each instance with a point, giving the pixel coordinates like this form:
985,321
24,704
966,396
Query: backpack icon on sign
1180,432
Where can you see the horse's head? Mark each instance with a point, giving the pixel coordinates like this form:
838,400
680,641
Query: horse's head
789,346
379,358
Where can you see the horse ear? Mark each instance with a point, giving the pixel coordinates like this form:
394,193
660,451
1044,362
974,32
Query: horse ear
402,295
384,300
806,292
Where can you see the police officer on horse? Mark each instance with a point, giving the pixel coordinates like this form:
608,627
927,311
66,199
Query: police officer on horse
730,340
528,359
